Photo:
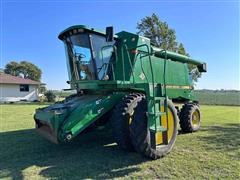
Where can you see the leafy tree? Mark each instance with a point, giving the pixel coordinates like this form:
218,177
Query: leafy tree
158,32
24,69
12,68
30,71
181,50
162,36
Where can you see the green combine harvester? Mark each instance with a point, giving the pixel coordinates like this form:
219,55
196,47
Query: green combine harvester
123,78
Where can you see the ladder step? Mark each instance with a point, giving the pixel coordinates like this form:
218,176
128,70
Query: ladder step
159,129
158,98
157,113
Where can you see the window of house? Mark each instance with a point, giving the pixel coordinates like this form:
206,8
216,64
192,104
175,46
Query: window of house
24,87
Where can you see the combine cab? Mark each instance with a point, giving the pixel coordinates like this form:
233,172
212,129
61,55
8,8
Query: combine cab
125,76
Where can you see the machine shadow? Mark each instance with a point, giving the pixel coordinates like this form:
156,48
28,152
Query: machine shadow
222,138
91,155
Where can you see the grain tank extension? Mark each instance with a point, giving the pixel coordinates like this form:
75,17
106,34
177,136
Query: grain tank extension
136,86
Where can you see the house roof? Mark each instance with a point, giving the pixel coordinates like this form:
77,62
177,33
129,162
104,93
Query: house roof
9,79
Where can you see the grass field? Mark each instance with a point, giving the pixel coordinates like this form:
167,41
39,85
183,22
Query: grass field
212,153
214,97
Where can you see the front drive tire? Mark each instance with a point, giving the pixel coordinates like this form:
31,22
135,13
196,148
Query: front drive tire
121,118
140,133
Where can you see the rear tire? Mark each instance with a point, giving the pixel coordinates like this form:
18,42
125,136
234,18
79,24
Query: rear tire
120,118
190,118
140,133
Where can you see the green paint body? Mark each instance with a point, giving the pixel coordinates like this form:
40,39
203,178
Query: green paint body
138,67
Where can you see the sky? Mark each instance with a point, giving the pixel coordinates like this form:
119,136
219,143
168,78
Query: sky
209,30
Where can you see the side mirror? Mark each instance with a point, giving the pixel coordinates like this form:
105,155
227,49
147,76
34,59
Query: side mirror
109,34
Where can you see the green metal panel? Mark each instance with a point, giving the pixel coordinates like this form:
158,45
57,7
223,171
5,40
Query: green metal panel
74,115
89,111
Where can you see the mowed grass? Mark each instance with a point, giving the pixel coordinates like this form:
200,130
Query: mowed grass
211,153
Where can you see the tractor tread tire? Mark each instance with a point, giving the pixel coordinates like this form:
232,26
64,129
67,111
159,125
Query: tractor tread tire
120,120
140,134
185,117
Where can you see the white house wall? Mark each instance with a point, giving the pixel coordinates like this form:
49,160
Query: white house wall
12,93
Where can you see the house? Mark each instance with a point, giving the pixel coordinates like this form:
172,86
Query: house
13,89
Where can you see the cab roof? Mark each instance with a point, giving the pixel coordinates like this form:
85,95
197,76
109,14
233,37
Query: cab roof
81,28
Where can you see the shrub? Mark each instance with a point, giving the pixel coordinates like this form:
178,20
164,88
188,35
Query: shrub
50,96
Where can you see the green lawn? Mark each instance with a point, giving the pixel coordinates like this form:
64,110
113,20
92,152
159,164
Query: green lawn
214,97
211,153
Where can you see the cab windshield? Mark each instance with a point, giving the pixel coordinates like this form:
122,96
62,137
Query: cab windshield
89,57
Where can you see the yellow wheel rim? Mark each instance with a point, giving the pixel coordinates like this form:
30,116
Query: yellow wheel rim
130,119
195,118
167,123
